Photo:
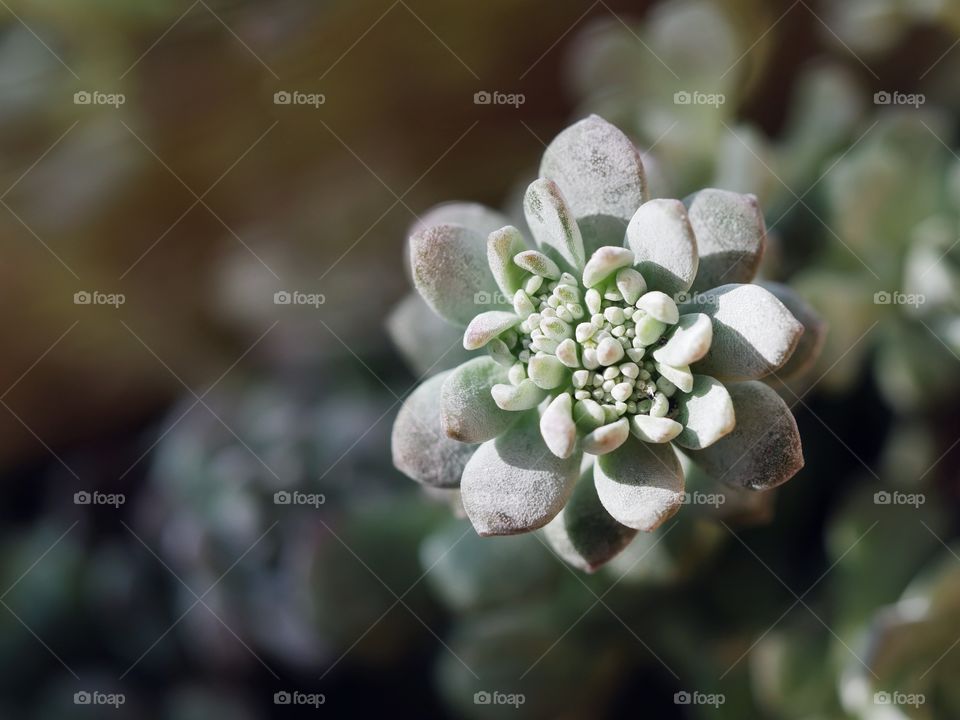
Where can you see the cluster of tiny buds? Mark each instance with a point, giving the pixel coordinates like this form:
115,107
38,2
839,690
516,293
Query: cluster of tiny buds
600,335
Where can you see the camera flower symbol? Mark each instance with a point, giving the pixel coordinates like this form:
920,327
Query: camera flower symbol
627,331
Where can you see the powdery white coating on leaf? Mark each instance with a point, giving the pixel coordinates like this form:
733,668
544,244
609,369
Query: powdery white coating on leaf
552,224
660,306
753,332
557,427
502,245
584,534
468,412
679,376
706,413
476,217
450,270
731,236
604,262
428,343
814,331
607,438
688,343
660,236
547,372
600,173
479,218
640,484
631,285
763,450
420,447
514,484
524,396
537,263
486,326
654,429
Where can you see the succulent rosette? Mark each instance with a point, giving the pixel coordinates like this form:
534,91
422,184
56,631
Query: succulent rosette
626,331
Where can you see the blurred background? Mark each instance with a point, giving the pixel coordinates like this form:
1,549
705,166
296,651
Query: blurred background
203,211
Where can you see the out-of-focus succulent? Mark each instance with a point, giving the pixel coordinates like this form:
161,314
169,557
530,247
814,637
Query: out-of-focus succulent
877,628
279,478
617,344
888,278
908,669
678,82
874,26
675,81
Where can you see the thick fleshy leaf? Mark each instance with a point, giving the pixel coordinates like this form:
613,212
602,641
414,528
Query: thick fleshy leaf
553,225
763,450
514,484
420,447
450,271
688,342
663,241
705,497
640,484
814,331
536,262
557,426
479,218
731,236
503,244
600,174
547,371
468,412
631,285
679,376
654,429
584,534
524,396
428,344
706,413
753,333
660,306
607,438
604,262
476,217
486,326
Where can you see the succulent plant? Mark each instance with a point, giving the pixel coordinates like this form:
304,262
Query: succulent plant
892,285
649,86
214,492
610,342
874,26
